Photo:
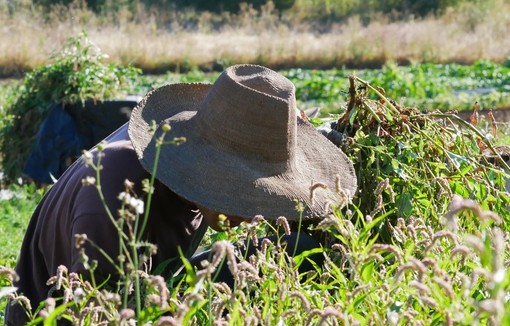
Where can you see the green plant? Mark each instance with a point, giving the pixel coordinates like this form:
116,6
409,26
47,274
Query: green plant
426,86
411,163
16,205
75,74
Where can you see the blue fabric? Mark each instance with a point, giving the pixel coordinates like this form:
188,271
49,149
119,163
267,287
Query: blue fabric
57,144
65,132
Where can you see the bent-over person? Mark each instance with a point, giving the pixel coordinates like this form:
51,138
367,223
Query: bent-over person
246,153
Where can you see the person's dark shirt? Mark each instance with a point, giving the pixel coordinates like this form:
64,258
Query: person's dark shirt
71,208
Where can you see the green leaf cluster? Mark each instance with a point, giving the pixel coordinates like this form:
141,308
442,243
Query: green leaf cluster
426,86
77,73
412,163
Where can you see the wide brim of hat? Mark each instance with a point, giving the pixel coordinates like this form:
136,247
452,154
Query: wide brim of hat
320,177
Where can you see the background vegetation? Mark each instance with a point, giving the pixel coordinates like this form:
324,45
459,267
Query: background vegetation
161,35
319,10
75,74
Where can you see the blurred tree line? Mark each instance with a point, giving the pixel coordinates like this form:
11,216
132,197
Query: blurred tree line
316,10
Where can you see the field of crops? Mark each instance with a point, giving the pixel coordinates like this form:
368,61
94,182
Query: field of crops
426,86
424,242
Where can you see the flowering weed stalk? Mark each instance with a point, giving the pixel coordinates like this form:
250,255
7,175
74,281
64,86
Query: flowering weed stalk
130,224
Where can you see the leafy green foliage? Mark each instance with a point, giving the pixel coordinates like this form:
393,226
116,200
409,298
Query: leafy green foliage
426,86
411,163
75,74
16,206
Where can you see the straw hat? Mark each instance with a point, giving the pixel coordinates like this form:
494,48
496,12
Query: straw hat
246,152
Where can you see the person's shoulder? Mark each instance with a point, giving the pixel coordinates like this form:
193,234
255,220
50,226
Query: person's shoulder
116,158
120,158
117,148
120,149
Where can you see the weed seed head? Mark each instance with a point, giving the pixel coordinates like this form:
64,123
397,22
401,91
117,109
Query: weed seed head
80,240
258,219
9,273
264,245
304,302
137,205
126,314
446,286
165,127
88,157
61,274
314,187
128,185
284,223
88,181
79,295
330,312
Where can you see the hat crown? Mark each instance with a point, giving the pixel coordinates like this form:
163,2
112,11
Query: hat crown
250,112
242,155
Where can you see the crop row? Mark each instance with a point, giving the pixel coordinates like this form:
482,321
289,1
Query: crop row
426,86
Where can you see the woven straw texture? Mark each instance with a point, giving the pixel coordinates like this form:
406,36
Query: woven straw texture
246,152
